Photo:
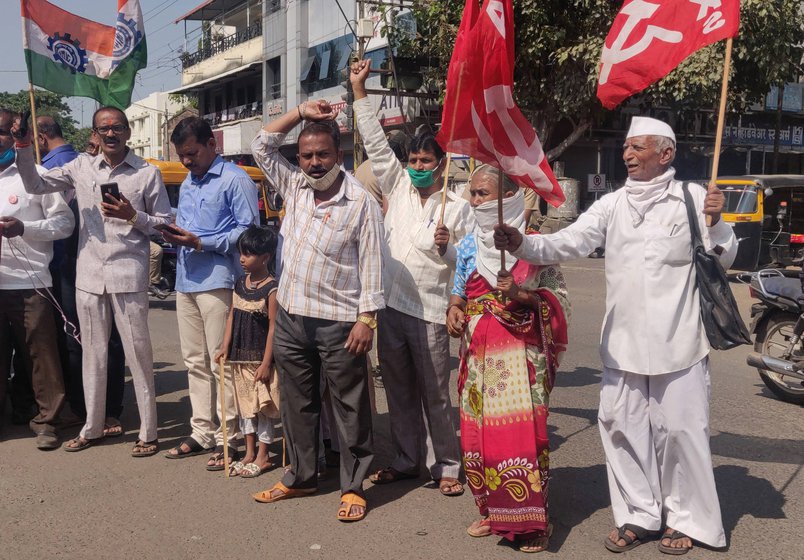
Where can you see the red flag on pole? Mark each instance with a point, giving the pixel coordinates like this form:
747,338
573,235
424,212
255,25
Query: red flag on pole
649,39
480,118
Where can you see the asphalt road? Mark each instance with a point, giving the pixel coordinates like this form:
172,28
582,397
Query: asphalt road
101,503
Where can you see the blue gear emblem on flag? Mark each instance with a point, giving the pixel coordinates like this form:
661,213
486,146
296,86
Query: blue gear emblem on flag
68,52
126,37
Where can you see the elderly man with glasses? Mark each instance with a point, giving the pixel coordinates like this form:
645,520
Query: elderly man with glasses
112,276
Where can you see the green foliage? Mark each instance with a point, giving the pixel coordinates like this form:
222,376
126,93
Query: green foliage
48,103
558,46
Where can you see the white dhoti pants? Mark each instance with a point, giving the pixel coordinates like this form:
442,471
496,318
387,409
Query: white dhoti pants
655,432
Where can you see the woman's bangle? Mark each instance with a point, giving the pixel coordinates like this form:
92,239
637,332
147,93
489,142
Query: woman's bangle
302,110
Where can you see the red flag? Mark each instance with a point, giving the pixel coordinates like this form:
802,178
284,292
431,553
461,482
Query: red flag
480,117
649,39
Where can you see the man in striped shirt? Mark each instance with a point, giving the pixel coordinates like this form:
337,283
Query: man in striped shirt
329,292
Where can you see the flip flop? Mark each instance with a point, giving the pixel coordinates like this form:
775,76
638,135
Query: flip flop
112,427
446,483
83,443
480,528
523,547
640,535
389,475
194,447
252,470
141,448
348,500
674,536
265,497
218,456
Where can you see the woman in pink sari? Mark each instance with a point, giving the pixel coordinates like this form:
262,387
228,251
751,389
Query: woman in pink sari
514,326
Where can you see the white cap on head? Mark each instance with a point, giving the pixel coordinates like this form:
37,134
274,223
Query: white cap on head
646,126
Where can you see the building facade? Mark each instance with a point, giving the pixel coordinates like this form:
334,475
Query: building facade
147,119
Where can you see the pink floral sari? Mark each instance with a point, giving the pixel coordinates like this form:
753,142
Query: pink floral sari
506,373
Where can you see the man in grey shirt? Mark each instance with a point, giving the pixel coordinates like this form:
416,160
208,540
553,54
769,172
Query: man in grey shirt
112,276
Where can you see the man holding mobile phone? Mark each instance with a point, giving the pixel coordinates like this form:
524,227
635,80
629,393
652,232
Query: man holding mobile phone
217,202
112,268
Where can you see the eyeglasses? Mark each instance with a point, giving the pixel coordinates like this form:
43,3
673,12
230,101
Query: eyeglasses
117,129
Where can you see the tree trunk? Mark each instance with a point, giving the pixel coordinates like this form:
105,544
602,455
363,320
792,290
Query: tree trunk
577,132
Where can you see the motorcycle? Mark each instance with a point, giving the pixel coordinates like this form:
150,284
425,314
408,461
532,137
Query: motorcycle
778,323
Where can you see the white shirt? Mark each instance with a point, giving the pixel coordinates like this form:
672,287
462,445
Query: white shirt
331,252
653,318
24,260
417,279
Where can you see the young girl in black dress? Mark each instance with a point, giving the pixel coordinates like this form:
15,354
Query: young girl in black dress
248,348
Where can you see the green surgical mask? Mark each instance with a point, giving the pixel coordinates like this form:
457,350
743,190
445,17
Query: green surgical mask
421,179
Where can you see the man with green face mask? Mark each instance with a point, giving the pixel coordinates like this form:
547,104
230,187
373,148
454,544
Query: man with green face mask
413,344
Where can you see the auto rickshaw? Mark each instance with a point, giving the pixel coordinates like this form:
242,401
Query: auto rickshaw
174,173
767,213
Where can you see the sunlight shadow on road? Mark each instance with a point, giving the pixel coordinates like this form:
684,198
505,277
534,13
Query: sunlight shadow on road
742,494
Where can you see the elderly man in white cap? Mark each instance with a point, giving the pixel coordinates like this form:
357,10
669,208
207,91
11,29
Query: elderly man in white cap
654,392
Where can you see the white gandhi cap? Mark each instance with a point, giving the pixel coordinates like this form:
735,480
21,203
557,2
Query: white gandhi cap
646,126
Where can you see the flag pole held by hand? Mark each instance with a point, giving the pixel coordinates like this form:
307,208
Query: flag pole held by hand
444,190
221,390
724,90
500,214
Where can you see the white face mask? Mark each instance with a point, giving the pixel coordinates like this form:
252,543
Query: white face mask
324,182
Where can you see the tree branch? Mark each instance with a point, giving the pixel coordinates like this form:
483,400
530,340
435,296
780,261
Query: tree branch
576,133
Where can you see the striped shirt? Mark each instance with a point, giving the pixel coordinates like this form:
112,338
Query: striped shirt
331,252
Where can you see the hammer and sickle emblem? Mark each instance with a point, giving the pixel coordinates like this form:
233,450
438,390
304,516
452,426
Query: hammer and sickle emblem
527,155
636,12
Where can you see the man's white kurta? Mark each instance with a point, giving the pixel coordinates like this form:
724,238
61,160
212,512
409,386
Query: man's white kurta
653,317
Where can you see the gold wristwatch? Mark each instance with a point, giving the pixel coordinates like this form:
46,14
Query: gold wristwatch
368,320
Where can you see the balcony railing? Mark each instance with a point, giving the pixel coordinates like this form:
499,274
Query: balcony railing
235,113
220,45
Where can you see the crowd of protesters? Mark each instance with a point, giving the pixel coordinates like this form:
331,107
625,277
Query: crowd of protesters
292,313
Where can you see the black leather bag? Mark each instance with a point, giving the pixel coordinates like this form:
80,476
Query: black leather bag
721,318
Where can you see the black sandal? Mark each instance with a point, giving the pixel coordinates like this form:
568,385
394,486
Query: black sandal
674,536
389,475
218,456
145,448
194,447
640,535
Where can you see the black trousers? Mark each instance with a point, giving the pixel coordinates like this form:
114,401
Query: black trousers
307,351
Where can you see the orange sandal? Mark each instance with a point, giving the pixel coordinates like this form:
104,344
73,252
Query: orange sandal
266,498
351,499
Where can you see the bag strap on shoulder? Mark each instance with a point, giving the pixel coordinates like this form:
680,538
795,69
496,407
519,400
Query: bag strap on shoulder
695,232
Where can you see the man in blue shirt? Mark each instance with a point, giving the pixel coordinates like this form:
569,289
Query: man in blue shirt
55,150
217,202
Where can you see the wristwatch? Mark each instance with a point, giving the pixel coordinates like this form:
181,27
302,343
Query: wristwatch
368,320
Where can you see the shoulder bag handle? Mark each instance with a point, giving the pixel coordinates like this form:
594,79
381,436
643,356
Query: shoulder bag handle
691,216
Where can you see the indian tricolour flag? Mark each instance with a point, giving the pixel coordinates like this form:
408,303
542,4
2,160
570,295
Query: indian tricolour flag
72,55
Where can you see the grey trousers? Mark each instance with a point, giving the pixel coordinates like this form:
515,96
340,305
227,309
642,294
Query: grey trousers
130,314
414,357
308,352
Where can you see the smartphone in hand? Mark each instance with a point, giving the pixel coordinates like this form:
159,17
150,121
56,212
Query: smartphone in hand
168,228
109,188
